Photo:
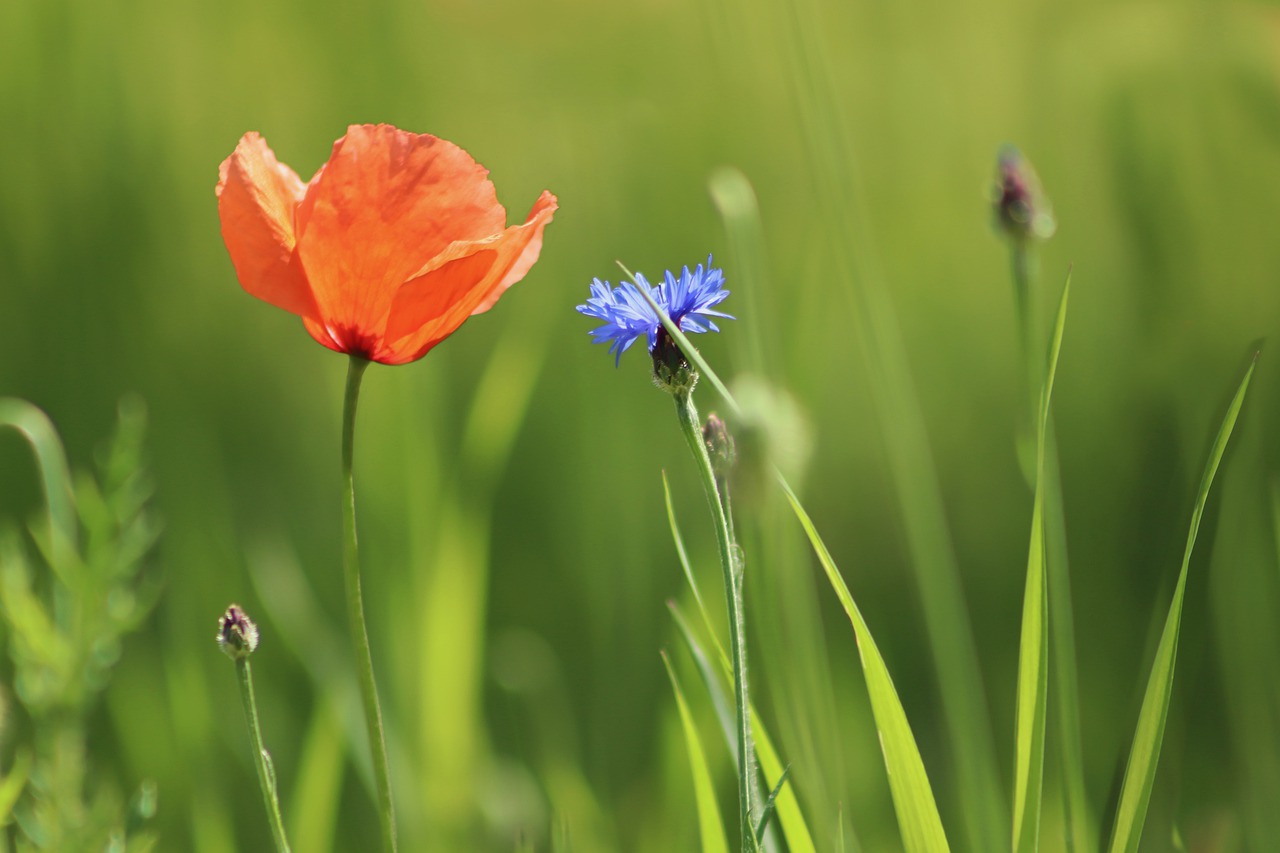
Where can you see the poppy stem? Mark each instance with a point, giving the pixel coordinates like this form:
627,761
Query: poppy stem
355,608
731,565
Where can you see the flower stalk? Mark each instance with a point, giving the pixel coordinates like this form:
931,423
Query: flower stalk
730,565
262,759
238,638
355,608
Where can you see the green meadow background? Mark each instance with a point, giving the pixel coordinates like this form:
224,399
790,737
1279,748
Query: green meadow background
516,549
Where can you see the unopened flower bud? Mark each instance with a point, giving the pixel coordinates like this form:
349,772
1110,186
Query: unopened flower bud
719,445
237,635
1022,210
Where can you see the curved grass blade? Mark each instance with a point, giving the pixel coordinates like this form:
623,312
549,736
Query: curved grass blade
710,826
1033,655
908,783
55,476
913,797
1144,754
316,801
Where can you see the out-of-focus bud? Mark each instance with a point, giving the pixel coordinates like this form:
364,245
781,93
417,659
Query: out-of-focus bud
770,431
1022,210
237,635
719,446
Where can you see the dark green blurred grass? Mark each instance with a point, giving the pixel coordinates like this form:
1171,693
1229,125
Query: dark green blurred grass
1155,129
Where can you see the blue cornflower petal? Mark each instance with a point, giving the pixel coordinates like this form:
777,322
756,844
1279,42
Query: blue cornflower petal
689,300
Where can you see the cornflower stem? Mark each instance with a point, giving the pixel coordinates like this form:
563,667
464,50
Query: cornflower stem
266,773
355,608
1063,667
691,426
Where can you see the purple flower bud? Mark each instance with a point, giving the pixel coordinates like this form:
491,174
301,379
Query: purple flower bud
237,635
1021,207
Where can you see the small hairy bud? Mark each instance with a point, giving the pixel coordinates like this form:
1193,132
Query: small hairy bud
237,635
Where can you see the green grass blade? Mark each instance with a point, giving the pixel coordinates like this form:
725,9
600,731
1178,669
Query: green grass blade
1033,655
1063,669
684,561
317,796
710,826
55,477
790,818
787,807
1144,754
767,811
908,783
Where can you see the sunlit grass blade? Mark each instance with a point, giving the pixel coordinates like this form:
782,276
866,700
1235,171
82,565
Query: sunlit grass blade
766,812
913,797
832,163
710,825
794,827
1033,655
1063,669
908,783
1144,754
317,796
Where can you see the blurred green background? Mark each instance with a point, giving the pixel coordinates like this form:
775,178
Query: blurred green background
516,550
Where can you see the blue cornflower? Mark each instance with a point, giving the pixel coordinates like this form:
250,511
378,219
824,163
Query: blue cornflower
689,300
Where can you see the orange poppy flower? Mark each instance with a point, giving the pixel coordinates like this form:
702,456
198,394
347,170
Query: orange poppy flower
394,242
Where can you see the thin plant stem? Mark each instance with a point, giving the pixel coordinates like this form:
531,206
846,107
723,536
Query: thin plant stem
691,426
266,773
1063,667
355,608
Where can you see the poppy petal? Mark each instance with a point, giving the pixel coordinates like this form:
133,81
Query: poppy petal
257,197
527,258
386,202
431,305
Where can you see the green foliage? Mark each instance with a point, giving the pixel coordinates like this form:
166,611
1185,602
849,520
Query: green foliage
1144,753
65,614
522,541
1033,653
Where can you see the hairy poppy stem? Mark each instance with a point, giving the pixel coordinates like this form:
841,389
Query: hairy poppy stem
355,608
731,565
